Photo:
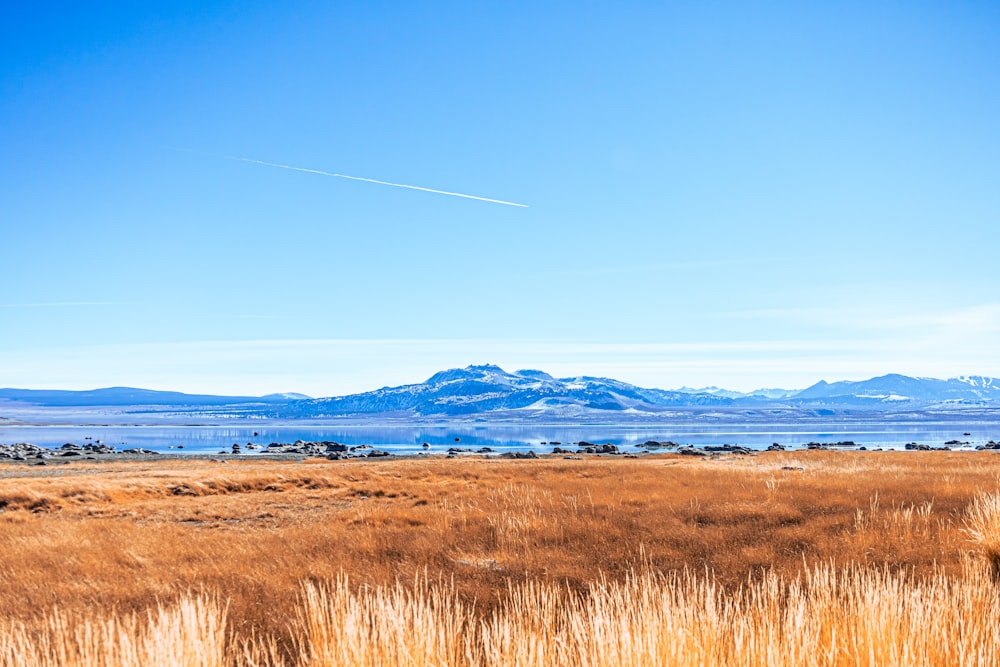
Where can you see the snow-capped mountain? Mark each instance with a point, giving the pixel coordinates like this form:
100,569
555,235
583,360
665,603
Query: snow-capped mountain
489,388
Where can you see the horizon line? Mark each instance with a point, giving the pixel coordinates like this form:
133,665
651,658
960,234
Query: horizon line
681,389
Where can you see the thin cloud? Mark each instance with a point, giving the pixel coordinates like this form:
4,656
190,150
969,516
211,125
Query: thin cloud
693,265
372,180
62,304
983,317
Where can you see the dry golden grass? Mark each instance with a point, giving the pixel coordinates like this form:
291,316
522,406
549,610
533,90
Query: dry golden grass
189,633
466,562
827,618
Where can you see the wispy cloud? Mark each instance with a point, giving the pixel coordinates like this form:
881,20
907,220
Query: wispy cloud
62,304
692,266
320,172
984,317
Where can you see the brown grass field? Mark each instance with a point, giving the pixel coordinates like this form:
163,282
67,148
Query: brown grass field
785,558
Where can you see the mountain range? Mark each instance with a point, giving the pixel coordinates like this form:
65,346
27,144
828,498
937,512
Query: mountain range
488,391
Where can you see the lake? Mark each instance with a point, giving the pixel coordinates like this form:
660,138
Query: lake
408,439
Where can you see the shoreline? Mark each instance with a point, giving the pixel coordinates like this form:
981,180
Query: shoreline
27,455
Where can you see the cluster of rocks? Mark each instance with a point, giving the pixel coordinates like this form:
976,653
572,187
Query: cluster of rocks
334,451
24,451
458,451
710,450
588,448
728,449
519,455
584,447
654,444
236,449
591,448
921,447
843,444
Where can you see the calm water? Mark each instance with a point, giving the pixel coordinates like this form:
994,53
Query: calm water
409,439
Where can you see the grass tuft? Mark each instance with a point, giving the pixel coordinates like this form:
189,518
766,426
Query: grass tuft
982,520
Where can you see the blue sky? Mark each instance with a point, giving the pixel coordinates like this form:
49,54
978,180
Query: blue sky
738,194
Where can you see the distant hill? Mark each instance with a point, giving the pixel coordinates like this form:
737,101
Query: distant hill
127,396
490,389
901,389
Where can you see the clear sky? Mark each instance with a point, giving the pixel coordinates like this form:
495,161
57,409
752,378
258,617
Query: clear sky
738,194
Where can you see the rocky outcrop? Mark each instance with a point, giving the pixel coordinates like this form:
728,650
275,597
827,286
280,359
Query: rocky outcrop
328,449
921,447
598,449
664,444
519,455
24,451
727,449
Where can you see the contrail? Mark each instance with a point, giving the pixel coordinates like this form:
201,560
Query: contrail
372,180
